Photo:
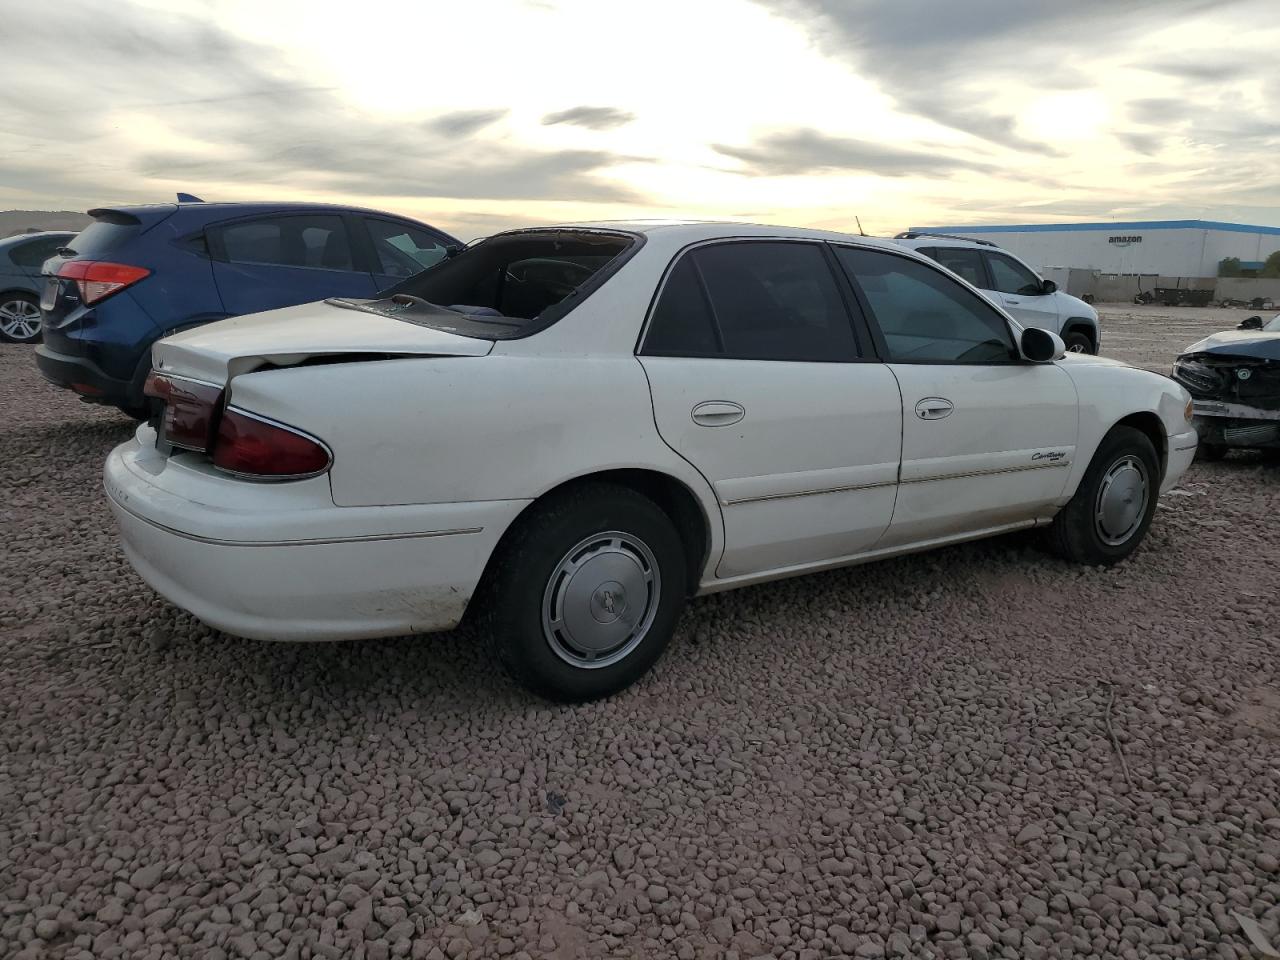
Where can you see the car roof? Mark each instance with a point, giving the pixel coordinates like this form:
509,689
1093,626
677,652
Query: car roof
35,235
914,241
693,231
202,213
250,207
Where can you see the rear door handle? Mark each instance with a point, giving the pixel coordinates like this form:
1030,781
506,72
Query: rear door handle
718,413
934,408
1013,302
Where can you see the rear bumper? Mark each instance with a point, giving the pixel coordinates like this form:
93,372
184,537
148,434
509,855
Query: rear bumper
82,376
263,564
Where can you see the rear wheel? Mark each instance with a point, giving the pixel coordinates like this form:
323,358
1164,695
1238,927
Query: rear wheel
1112,508
19,318
585,594
1078,342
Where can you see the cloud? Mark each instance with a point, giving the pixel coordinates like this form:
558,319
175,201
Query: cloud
1144,143
222,110
805,151
1160,111
463,123
1209,71
593,118
949,62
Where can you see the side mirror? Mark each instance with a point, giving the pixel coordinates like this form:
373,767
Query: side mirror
1250,323
1047,287
1041,346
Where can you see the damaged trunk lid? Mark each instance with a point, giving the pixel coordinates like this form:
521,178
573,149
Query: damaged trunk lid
313,332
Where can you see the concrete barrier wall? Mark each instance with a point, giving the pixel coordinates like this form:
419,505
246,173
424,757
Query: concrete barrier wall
1246,288
1112,289
1109,288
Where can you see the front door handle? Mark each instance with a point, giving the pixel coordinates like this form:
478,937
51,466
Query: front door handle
1012,302
934,408
718,413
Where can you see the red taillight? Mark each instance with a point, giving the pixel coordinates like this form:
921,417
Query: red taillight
252,447
189,409
98,279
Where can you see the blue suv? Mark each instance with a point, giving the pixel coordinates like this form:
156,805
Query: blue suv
139,273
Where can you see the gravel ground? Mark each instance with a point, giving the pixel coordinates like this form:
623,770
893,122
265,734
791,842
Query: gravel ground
912,759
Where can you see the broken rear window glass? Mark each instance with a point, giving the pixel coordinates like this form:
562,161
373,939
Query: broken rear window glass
508,286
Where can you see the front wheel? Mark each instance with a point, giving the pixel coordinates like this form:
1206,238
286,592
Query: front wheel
1112,508
19,318
584,596
1077,342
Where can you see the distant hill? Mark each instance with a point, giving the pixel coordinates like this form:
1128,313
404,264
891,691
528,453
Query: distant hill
20,221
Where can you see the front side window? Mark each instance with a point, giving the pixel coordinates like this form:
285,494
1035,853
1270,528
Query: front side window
403,250
317,241
754,300
924,315
964,263
1009,276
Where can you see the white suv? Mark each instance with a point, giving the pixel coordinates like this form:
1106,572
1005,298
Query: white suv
1010,283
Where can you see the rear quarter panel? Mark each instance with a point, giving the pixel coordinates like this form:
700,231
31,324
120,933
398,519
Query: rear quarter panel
454,429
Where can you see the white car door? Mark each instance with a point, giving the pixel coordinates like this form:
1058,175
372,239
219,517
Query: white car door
762,380
1021,293
987,438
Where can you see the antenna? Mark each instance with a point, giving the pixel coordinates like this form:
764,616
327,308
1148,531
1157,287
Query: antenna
861,232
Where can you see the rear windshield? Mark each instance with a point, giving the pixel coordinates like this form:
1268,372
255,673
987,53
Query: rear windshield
101,237
508,286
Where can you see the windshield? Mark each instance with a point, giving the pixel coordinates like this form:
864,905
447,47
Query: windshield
508,286
1273,325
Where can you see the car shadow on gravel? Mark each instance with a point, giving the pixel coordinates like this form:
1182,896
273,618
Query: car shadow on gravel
455,668
447,670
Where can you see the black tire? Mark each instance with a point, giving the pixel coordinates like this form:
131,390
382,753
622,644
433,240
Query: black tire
1211,452
20,313
1077,341
138,413
1076,534
526,583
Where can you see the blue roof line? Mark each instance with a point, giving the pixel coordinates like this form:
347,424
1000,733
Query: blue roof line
1107,226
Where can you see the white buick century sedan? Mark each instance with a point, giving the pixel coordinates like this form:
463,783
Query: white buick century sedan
567,431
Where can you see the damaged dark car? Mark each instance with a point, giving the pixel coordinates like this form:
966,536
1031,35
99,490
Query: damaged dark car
1234,381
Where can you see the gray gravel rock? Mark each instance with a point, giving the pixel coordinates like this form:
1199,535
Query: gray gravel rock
908,759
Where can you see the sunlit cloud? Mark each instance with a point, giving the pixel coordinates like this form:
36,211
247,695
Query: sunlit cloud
811,112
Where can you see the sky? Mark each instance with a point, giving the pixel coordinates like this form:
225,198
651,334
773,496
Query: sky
486,114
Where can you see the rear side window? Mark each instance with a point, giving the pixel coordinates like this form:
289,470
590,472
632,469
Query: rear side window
757,300
317,240
681,325
962,262
35,252
924,315
403,250
1009,276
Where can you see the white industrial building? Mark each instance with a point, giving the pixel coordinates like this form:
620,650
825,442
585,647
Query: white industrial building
1167,248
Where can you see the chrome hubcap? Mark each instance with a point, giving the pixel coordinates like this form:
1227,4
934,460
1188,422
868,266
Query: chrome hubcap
1076,348
1122,501
601,599
19,319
